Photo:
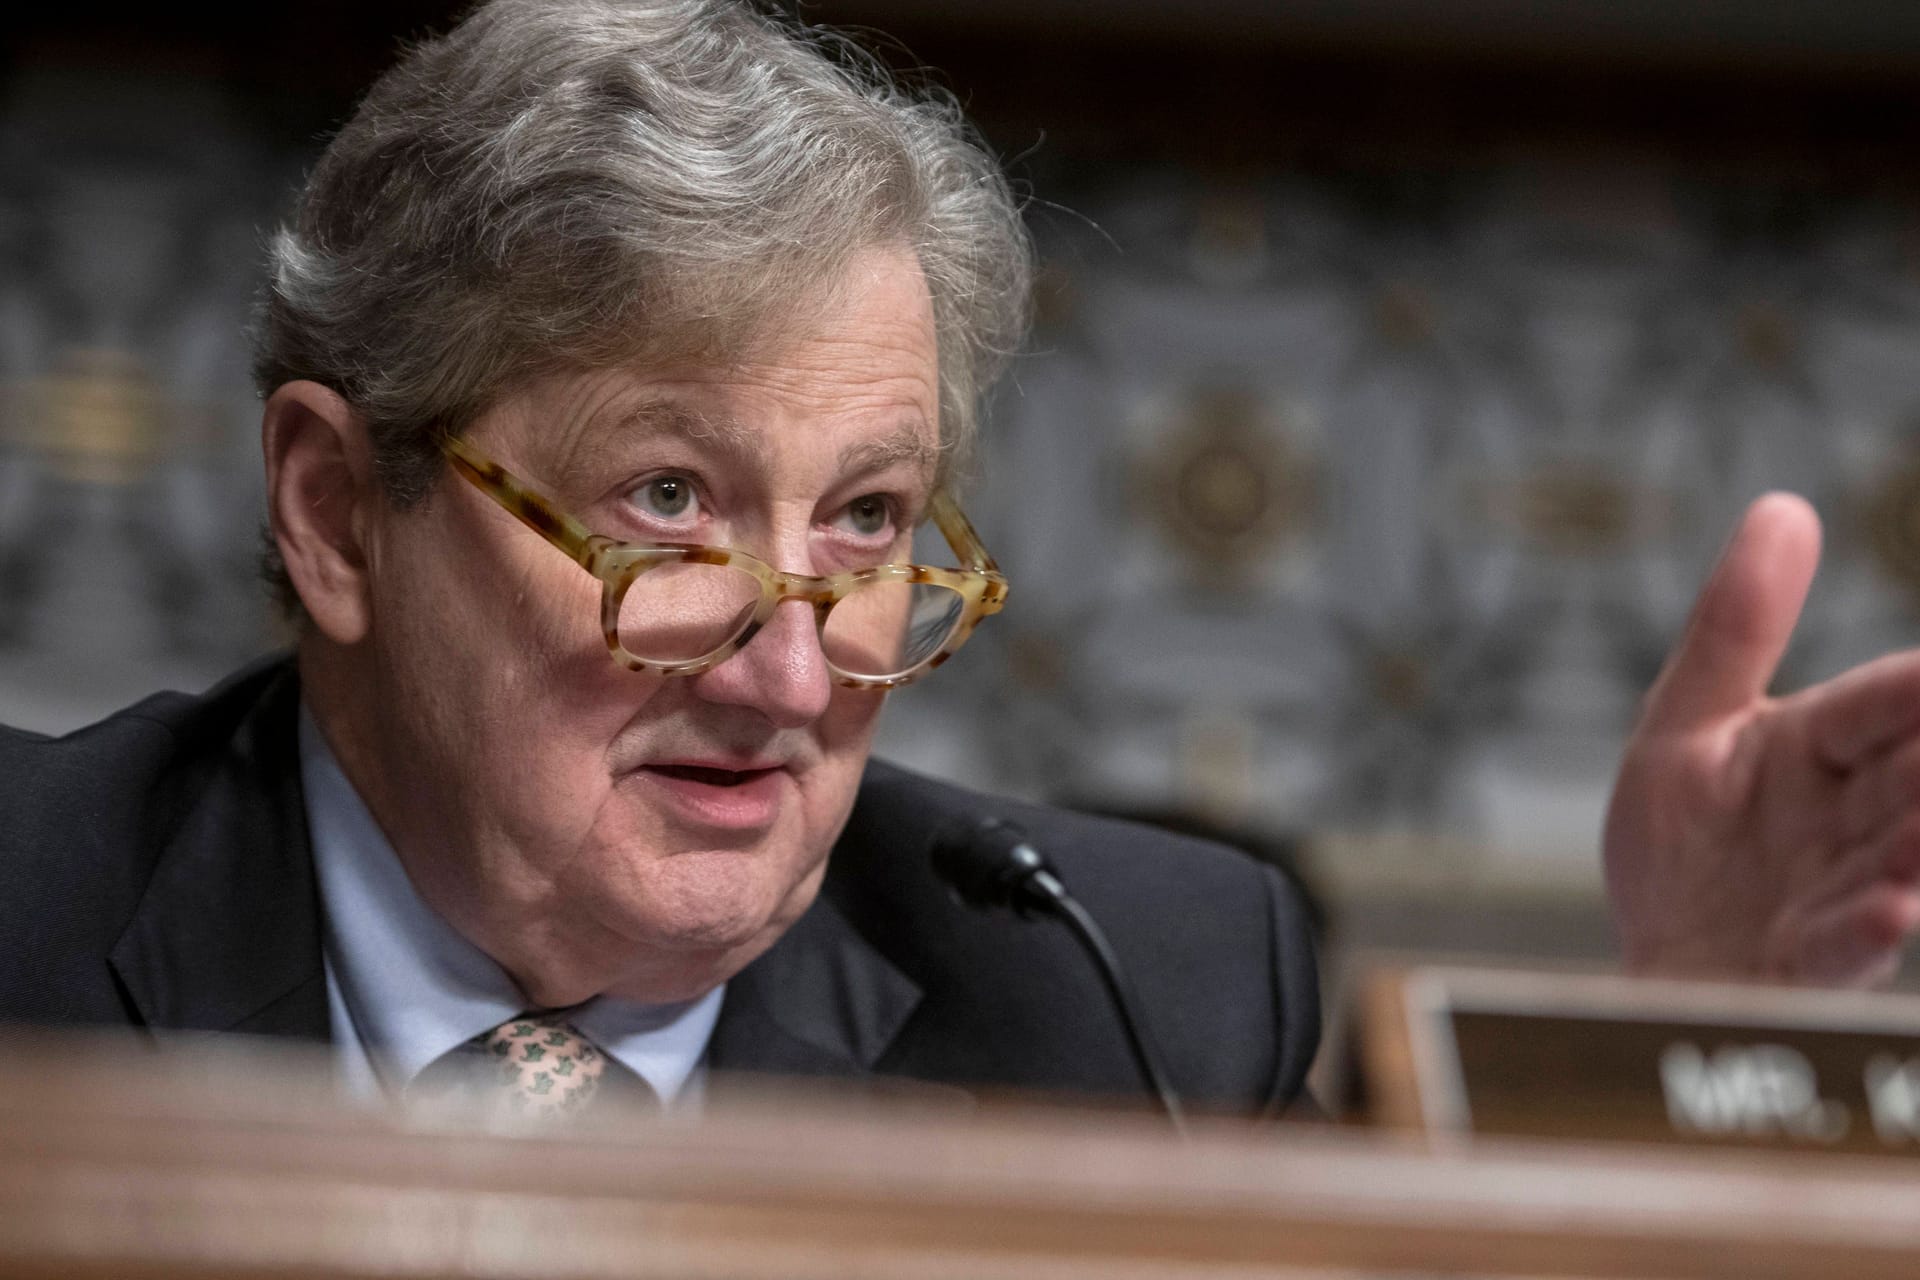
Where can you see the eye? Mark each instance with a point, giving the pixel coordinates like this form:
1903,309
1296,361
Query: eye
667,497
868,516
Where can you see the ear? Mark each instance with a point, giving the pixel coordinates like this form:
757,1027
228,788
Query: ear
320,482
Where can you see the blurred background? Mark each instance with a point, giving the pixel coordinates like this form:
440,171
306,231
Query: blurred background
1400,368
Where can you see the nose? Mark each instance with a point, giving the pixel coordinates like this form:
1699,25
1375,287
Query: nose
781,672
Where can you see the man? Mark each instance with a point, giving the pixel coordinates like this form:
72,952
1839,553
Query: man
613,356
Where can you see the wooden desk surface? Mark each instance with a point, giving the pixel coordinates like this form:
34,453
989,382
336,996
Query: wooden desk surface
226,1165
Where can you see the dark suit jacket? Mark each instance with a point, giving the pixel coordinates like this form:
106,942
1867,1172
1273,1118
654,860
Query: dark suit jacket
157,875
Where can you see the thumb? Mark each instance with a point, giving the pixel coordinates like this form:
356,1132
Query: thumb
1743,619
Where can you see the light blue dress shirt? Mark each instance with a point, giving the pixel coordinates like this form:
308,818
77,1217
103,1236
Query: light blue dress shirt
404,987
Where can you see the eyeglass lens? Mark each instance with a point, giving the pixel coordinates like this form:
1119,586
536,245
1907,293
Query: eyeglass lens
677,612
681,611
885,628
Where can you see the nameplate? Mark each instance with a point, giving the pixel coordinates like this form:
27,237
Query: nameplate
1485,1052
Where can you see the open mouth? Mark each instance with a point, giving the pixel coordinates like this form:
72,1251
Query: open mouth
710,777
708,797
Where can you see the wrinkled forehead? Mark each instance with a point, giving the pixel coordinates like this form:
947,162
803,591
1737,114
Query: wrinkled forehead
851,370
718,322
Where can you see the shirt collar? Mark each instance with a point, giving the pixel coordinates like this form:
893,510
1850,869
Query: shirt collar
414,988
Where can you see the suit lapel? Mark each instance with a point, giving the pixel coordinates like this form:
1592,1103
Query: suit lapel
820,1002
227,936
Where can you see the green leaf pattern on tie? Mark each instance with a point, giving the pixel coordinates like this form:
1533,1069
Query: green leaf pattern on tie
553,1075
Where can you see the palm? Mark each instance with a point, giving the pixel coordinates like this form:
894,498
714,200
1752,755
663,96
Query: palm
1759,837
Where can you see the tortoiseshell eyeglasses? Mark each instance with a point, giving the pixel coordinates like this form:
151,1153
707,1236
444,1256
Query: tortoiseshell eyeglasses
678,609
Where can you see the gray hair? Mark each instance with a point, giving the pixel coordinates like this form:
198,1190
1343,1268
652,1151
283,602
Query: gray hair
574,184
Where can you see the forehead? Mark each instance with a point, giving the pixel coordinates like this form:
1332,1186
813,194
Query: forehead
850,379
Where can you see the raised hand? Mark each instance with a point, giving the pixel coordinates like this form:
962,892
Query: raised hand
1768,838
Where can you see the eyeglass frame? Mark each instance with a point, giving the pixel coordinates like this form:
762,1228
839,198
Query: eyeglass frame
618,564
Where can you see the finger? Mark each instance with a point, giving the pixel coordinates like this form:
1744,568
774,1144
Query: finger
1880,791
1857,941
1865,711
1892,856
1743,618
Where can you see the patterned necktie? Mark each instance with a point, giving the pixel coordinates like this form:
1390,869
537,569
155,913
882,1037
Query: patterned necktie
546,1067
535,1069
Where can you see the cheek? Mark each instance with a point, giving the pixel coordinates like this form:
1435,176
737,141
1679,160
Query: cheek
846,737
498,664
851,717
516,622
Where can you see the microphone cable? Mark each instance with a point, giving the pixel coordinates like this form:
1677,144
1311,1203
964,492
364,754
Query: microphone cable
989,864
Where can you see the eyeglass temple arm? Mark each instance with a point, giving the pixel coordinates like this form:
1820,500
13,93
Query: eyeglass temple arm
528,507
959,533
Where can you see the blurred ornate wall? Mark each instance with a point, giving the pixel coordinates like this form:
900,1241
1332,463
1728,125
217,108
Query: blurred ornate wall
131,208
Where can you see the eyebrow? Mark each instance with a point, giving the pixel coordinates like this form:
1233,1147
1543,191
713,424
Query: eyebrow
652,418
733,437
902,444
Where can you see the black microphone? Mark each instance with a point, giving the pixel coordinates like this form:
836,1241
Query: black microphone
989,864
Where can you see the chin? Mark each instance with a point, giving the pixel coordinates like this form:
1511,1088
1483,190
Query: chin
720,901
